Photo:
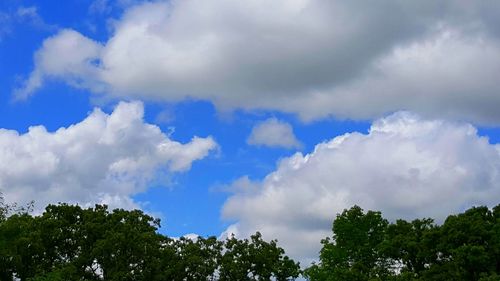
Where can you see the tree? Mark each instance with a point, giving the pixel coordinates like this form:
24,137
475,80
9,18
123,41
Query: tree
70,243
353,253
193,259
67,242
365,247
465,246
19,241
3,209
20,247
129,240
256,259
410,246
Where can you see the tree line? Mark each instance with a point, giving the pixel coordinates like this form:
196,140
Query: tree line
68,242
71,243
366,247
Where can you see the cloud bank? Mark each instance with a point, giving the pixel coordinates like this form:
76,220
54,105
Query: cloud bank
406,166
317,59
106,158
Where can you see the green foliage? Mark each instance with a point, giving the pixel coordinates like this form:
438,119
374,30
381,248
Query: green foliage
354,253
20,247
70,243
196,259
10,209
410,246
365,247
255,259
3,209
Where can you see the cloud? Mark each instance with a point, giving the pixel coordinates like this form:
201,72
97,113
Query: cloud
406,166
13,16
448,75
30,15
4,24
106,158
100,7
314,58
69,56
273,133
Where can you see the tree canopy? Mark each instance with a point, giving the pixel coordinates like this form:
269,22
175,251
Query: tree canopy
68,242
364,246
71,243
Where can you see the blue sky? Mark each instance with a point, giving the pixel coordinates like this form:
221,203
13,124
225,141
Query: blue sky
257,116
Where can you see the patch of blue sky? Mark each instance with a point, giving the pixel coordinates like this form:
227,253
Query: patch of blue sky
190,202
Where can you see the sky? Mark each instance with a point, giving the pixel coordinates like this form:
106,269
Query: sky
230,117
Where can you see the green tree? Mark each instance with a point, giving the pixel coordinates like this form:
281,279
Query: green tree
127,245
354,252
197,259
465,248
495,238
20,247
256,259
410,246
67,242
3,208
364,247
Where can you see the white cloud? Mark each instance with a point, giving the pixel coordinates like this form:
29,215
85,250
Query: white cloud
30,16
100,7
449,74
106,158
9,18
105,7
27,12
4,24
406,166
309,57
69,56
274,133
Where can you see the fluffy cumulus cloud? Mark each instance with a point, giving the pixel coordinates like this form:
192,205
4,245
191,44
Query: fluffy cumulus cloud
406,166
348,59
273,133
106,158
69,56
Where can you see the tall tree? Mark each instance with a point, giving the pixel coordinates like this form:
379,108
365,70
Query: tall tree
410,246
364,247
465,248
353,253
256,259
